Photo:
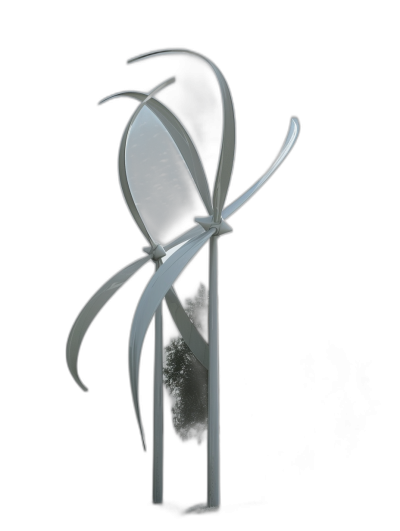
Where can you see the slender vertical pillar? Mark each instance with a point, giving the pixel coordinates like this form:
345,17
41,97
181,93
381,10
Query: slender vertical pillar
213,497
158,444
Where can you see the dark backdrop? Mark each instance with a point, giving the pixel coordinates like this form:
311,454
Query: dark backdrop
303,360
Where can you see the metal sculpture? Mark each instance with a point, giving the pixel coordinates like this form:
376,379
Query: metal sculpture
160,286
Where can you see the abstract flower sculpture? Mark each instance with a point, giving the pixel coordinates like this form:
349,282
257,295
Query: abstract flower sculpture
208,228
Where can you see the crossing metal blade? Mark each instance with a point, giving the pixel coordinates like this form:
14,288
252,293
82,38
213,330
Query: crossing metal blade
291,137
89,312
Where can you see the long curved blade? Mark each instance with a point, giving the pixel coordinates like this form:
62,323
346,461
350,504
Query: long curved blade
191,336
152,296
90,311
186,328
181,138
227,153
291,137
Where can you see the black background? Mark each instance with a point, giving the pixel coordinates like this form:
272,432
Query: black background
298,276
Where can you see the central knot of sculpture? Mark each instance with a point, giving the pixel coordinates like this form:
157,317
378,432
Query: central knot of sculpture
208,223
155,253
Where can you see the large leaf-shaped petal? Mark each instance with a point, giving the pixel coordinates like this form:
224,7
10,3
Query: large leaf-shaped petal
227,153
159,180
290,140
181,138
152,296
89,312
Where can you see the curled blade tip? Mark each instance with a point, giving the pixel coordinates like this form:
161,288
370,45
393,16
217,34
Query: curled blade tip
158,52
81,385
74,373
166,83
137,58
105,99
143,437
112,96
144,55
298,126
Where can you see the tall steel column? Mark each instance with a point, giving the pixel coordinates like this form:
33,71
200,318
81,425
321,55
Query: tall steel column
213,493
158,443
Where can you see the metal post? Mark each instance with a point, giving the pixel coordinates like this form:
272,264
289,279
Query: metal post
158,443
213,498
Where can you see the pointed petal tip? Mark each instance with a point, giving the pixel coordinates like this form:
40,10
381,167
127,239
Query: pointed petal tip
108,98
143,439
104,100
78,380
74,372
81,385
136,58
144,55
296,121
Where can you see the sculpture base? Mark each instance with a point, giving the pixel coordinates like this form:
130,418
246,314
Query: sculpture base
223,511
199,509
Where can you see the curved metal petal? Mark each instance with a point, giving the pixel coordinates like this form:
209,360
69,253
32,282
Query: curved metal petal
191,336
152,296
294,130
181,138
90,311
227,153
122,164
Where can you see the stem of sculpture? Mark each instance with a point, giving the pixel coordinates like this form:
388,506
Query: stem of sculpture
158,444
213,468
